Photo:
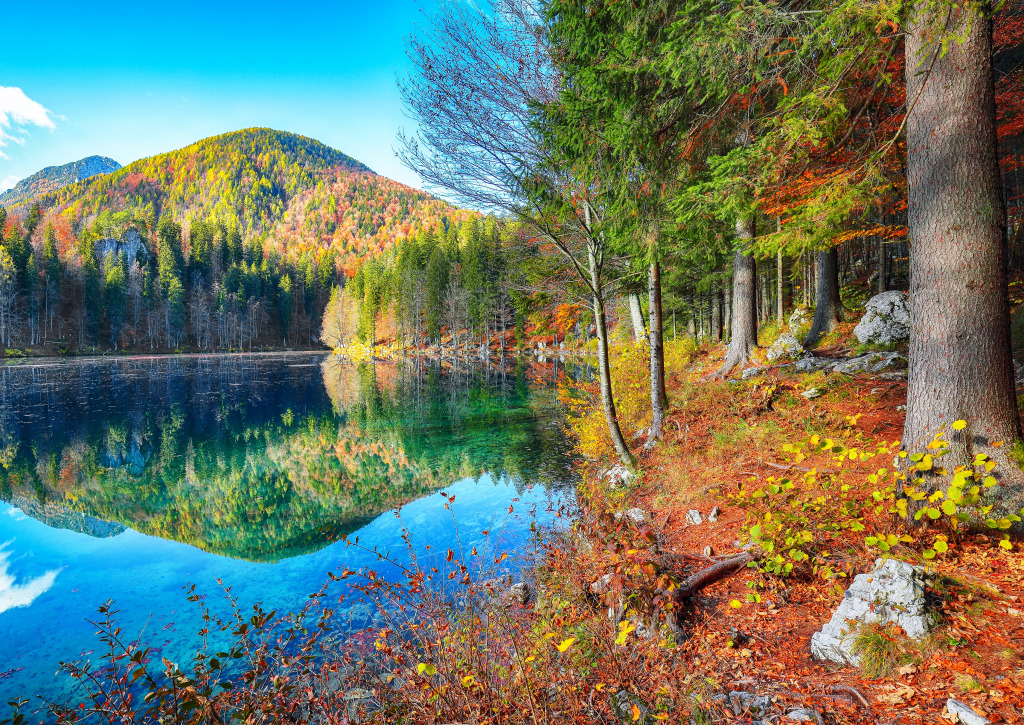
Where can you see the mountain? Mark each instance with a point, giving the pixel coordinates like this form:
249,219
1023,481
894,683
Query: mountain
293,193
54,178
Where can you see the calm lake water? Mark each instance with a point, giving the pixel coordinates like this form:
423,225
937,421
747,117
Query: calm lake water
127,479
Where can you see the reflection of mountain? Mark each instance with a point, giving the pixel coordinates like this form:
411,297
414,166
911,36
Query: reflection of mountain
58,516
258,457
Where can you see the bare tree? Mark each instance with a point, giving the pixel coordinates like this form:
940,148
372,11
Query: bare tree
479,76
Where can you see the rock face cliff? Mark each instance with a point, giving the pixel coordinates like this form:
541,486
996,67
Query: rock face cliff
53,178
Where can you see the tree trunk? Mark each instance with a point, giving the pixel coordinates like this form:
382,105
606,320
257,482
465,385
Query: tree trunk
883,271
828,308
779,312
604,368
727,311
716,315
744,300
960,359
637,313
659,398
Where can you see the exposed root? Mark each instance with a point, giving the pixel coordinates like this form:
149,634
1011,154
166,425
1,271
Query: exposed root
710,575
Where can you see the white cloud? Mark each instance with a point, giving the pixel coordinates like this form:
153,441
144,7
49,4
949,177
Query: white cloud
21,595
8,181
17,113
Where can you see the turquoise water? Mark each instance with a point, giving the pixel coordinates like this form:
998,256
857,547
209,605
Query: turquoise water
129,479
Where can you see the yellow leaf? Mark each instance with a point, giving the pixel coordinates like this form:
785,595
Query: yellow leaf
959,424
735,604
624,629
599,686
468,680
636,712
566,644
1005,543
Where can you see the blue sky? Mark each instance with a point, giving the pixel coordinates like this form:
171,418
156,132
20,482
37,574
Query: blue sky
129,80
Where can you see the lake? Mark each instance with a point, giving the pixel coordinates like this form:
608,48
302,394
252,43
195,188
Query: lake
129,478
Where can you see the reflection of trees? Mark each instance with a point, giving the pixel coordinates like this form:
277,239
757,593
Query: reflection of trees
255,458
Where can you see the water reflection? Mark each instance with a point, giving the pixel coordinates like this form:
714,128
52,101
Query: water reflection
131,477
13,594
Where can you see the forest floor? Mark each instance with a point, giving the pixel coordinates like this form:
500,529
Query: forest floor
726,441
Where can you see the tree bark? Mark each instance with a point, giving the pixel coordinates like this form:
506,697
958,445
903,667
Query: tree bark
726,312
744,300
637,313
604,368
779,311
827,308
960,359
716,315
659,398
883,271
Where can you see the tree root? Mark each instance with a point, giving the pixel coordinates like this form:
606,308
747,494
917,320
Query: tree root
710,575
852,693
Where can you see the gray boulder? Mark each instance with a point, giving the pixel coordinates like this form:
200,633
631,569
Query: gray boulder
785,346
801,317
886,320
811,363
964,714
520,592
891,593
872,362
618,476
693,517
635,516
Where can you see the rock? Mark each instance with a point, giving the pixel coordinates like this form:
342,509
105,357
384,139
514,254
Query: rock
785,346
886,320
738,637
715,513
964,714
801,317
869,362
601,585
812,393
709,551
622,705
635,516
891,593
901,409
751,373
810,363
520,592
897,375
749,702
618,475
803,714
693,517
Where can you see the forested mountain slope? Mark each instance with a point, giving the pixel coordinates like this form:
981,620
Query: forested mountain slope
54,178
292,190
